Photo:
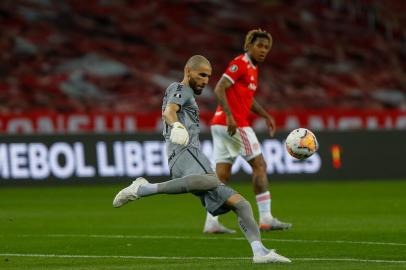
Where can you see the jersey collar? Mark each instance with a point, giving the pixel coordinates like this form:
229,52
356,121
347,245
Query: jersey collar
248,59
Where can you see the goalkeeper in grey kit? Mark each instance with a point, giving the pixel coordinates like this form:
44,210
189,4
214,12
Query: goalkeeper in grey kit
190,169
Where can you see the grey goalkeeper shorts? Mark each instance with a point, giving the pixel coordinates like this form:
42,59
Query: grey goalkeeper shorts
193,161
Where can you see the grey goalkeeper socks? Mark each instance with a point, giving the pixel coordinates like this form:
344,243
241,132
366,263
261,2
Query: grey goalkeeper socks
147,190
246,221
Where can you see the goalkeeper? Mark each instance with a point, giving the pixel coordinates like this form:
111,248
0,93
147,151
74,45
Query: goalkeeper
189,168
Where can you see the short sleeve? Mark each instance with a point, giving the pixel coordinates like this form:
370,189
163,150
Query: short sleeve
179,95
235,70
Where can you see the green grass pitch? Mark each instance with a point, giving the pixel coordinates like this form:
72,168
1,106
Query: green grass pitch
336,225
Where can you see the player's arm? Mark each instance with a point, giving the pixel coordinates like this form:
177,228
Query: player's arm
220,92
170,115
179,134
270,121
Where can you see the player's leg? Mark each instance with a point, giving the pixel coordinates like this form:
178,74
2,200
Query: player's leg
260,184
223,171
212,223
260,187
224,162
251,232
187,184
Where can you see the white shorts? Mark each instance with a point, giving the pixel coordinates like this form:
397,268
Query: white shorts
227,148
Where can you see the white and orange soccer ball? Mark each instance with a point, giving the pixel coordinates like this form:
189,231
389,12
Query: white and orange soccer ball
301,143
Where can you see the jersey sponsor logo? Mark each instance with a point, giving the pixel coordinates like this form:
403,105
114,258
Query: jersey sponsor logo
233,68
252,86
177,95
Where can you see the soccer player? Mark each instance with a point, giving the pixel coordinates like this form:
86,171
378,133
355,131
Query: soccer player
232,134
190,169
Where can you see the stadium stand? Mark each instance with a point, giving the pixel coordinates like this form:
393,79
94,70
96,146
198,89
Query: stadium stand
117,56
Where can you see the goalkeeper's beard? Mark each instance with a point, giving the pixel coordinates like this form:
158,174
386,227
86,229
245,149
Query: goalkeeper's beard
193,85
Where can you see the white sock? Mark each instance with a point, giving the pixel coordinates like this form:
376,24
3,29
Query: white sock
258,248
147,189
210,219
264,205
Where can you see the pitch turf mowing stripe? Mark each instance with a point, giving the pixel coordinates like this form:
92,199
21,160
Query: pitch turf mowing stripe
187,258
205,238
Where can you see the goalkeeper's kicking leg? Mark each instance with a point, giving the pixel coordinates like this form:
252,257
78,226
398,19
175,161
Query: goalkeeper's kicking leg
202,186
187,184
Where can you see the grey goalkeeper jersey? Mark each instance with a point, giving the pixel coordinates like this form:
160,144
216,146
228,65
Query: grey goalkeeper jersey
188,115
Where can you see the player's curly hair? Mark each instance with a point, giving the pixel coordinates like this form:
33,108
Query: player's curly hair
253,35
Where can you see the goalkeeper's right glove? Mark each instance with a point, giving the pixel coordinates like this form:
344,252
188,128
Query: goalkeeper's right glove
179,134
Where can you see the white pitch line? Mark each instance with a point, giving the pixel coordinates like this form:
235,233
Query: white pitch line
120,257
206,238
186,258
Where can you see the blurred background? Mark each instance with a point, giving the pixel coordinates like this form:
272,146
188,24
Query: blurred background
100,67
330,58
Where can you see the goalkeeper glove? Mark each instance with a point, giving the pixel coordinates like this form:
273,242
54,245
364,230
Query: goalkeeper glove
179,134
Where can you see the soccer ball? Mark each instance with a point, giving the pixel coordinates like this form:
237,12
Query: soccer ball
301,143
